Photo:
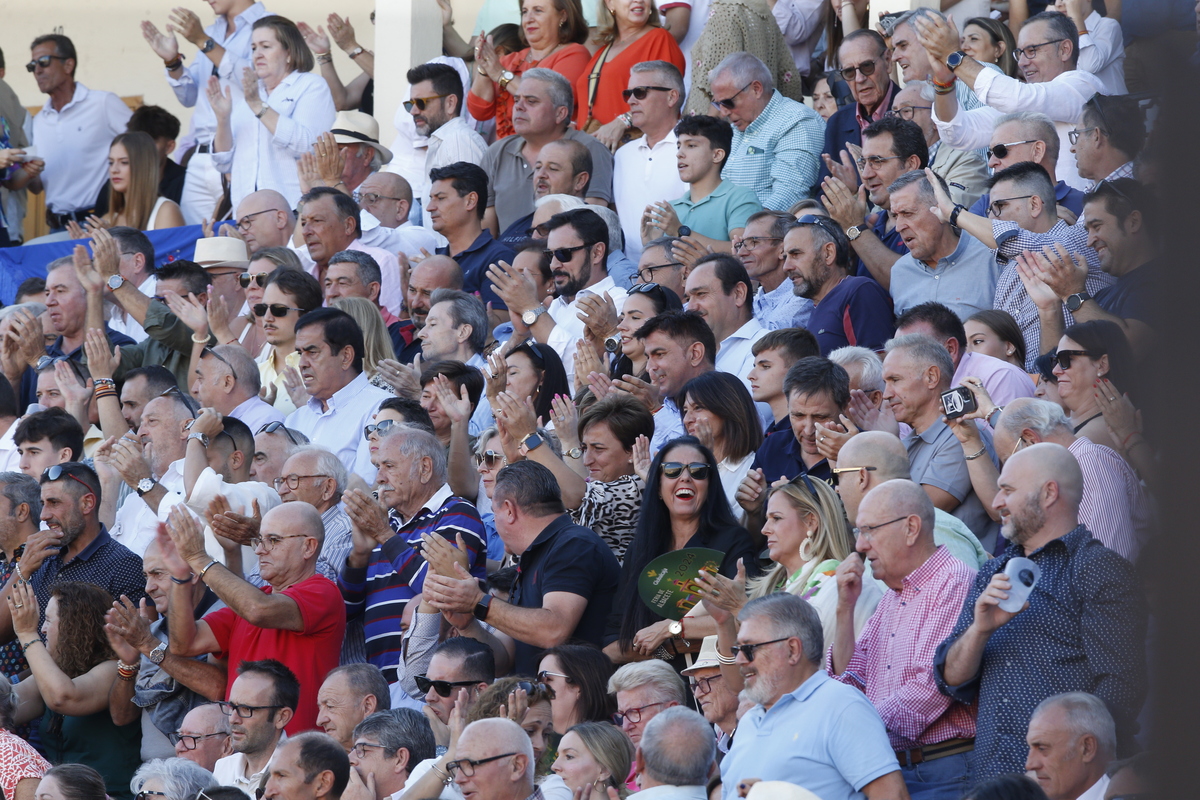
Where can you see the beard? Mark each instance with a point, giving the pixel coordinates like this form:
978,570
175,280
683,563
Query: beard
1024,523
764,691
808,287
71,527
575,284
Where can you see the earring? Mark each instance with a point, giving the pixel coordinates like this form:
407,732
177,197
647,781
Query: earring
806,548
1008,352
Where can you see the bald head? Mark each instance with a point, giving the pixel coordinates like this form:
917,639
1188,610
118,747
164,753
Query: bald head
394,198
268,220
1038,495
1047,463
490,737
900,497
290,518
883,451
435,272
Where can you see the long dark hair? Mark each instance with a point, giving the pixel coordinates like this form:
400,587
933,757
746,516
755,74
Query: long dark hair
664,299
587,667
1099,337
727,398
553,381
652,537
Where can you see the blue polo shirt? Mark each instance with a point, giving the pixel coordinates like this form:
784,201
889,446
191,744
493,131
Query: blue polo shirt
474,262
1132,296
858,311
779,455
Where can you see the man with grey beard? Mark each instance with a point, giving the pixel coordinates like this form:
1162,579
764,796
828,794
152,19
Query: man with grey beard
804,722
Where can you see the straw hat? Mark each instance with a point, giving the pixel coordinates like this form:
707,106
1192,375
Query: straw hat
707,657
355,127
221,251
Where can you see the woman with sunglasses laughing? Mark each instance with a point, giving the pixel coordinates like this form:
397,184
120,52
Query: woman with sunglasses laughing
684,506
1086,353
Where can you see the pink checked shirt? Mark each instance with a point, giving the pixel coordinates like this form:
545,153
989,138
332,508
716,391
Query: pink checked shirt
893,657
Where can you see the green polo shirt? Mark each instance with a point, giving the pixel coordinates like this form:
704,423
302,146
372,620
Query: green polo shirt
726,209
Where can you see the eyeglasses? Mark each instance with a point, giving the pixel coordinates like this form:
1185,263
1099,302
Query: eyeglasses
59,471
1020,443
1075,134
996,207
191,742
875,161
634,715
907,112
1001,150
640,92
1031,50
277,309
1063,357
43,62
244,712
544,676
258,278
370,198
866,531
673,469
467,766
731,101
443,688
293,482
867,68
491,458
565,254
208,351
243,224
753,242
379,428
272,427
747,650
146,794
645,275
837,472
421,102
704,683
360,748
538,231
269,543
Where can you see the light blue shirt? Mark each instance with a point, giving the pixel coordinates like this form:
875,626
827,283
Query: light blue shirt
824,736
668,425
339,429
781,307
779,154
964,281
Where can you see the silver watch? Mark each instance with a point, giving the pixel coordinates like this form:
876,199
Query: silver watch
201,437
531,316
116,282
158,654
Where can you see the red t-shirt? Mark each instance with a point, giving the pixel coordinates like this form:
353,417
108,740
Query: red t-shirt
310,653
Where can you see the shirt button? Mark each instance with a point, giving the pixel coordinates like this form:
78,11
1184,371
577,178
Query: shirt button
937,277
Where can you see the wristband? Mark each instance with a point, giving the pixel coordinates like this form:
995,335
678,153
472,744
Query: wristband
183,581
939,85
98,382
26,645
325,58
1124,442
207,567
261,111
725,659
20,577
958,209
174,65
123,667
944,90
974,456
199,340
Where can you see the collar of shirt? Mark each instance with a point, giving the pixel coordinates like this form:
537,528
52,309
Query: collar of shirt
449,129
1072,541
244,406
172,479
797,695
102,538
481,241
880,110
477,361
549,532
670,140
598,288
341,397
777,295
723,188
219,29
80,95
946,262
930,434
288,81
436,501
765,117
1123,171
932,567
1098,789
747,331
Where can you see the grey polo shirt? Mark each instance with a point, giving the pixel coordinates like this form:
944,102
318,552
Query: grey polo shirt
964,281
936,458
511,177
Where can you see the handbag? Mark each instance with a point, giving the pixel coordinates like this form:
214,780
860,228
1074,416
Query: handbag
591,125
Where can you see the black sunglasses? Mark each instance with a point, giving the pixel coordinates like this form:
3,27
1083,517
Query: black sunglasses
43,62
272,427
277,309
1001,150
566,254
643,288
731,101
208,351
673,469
421,102
747,650
867,68
1063,357
59,471
443,688
640,92
259,278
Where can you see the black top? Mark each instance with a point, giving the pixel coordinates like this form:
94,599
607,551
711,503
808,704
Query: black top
1132,296
171,185
566,557
105,562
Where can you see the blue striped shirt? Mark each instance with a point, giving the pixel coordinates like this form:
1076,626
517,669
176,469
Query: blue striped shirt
778,154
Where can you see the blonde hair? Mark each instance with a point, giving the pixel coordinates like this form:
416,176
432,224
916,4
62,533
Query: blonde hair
377,344
831,540
611,749
606,23
138,200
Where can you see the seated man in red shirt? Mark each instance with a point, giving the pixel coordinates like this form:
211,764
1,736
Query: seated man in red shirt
298,619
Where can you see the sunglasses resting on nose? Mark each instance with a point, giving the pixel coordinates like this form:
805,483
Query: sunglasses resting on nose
1001,150
641,92
258,278
673,469
42,61
277,309
421,102
443,688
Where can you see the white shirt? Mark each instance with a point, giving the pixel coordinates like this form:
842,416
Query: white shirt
10,459
74,143
390,296
135,524
642,175
668,425
1097,789
568,327
339,429
120,320
262,160
454,141
1102,52
732,474
191,87
414,238
449,792
734,355
256,412
231,771
802,23
1061,99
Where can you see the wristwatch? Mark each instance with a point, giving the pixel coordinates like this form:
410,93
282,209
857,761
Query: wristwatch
532,441
675,628
955,59
1077,300
201,437
854,231
209,44
505,79
531,316
116,282
480,611
144,485
159,653
613,343
574,452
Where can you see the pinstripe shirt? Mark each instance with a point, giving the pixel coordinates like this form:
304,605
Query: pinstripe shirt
1114,507
778,154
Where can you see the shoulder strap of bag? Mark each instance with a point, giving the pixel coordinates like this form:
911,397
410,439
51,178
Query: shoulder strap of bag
594,77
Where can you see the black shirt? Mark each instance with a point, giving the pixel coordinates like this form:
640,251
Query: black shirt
1132,296
171,185
566,557
105,562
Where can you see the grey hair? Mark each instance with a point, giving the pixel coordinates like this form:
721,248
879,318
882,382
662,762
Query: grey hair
1037,126
908,16
1040,416
21,488
566,202
290,446
659,675
789,616
678,747
32,307
416,444
400,728
368,268
923,184
616,238
181,779
667,70
561,95
327,464
1086,715
465,309
243,365
365,679
65,261
869,363
744,68
926,352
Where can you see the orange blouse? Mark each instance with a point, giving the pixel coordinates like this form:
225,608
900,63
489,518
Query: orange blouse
568,62
657,45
